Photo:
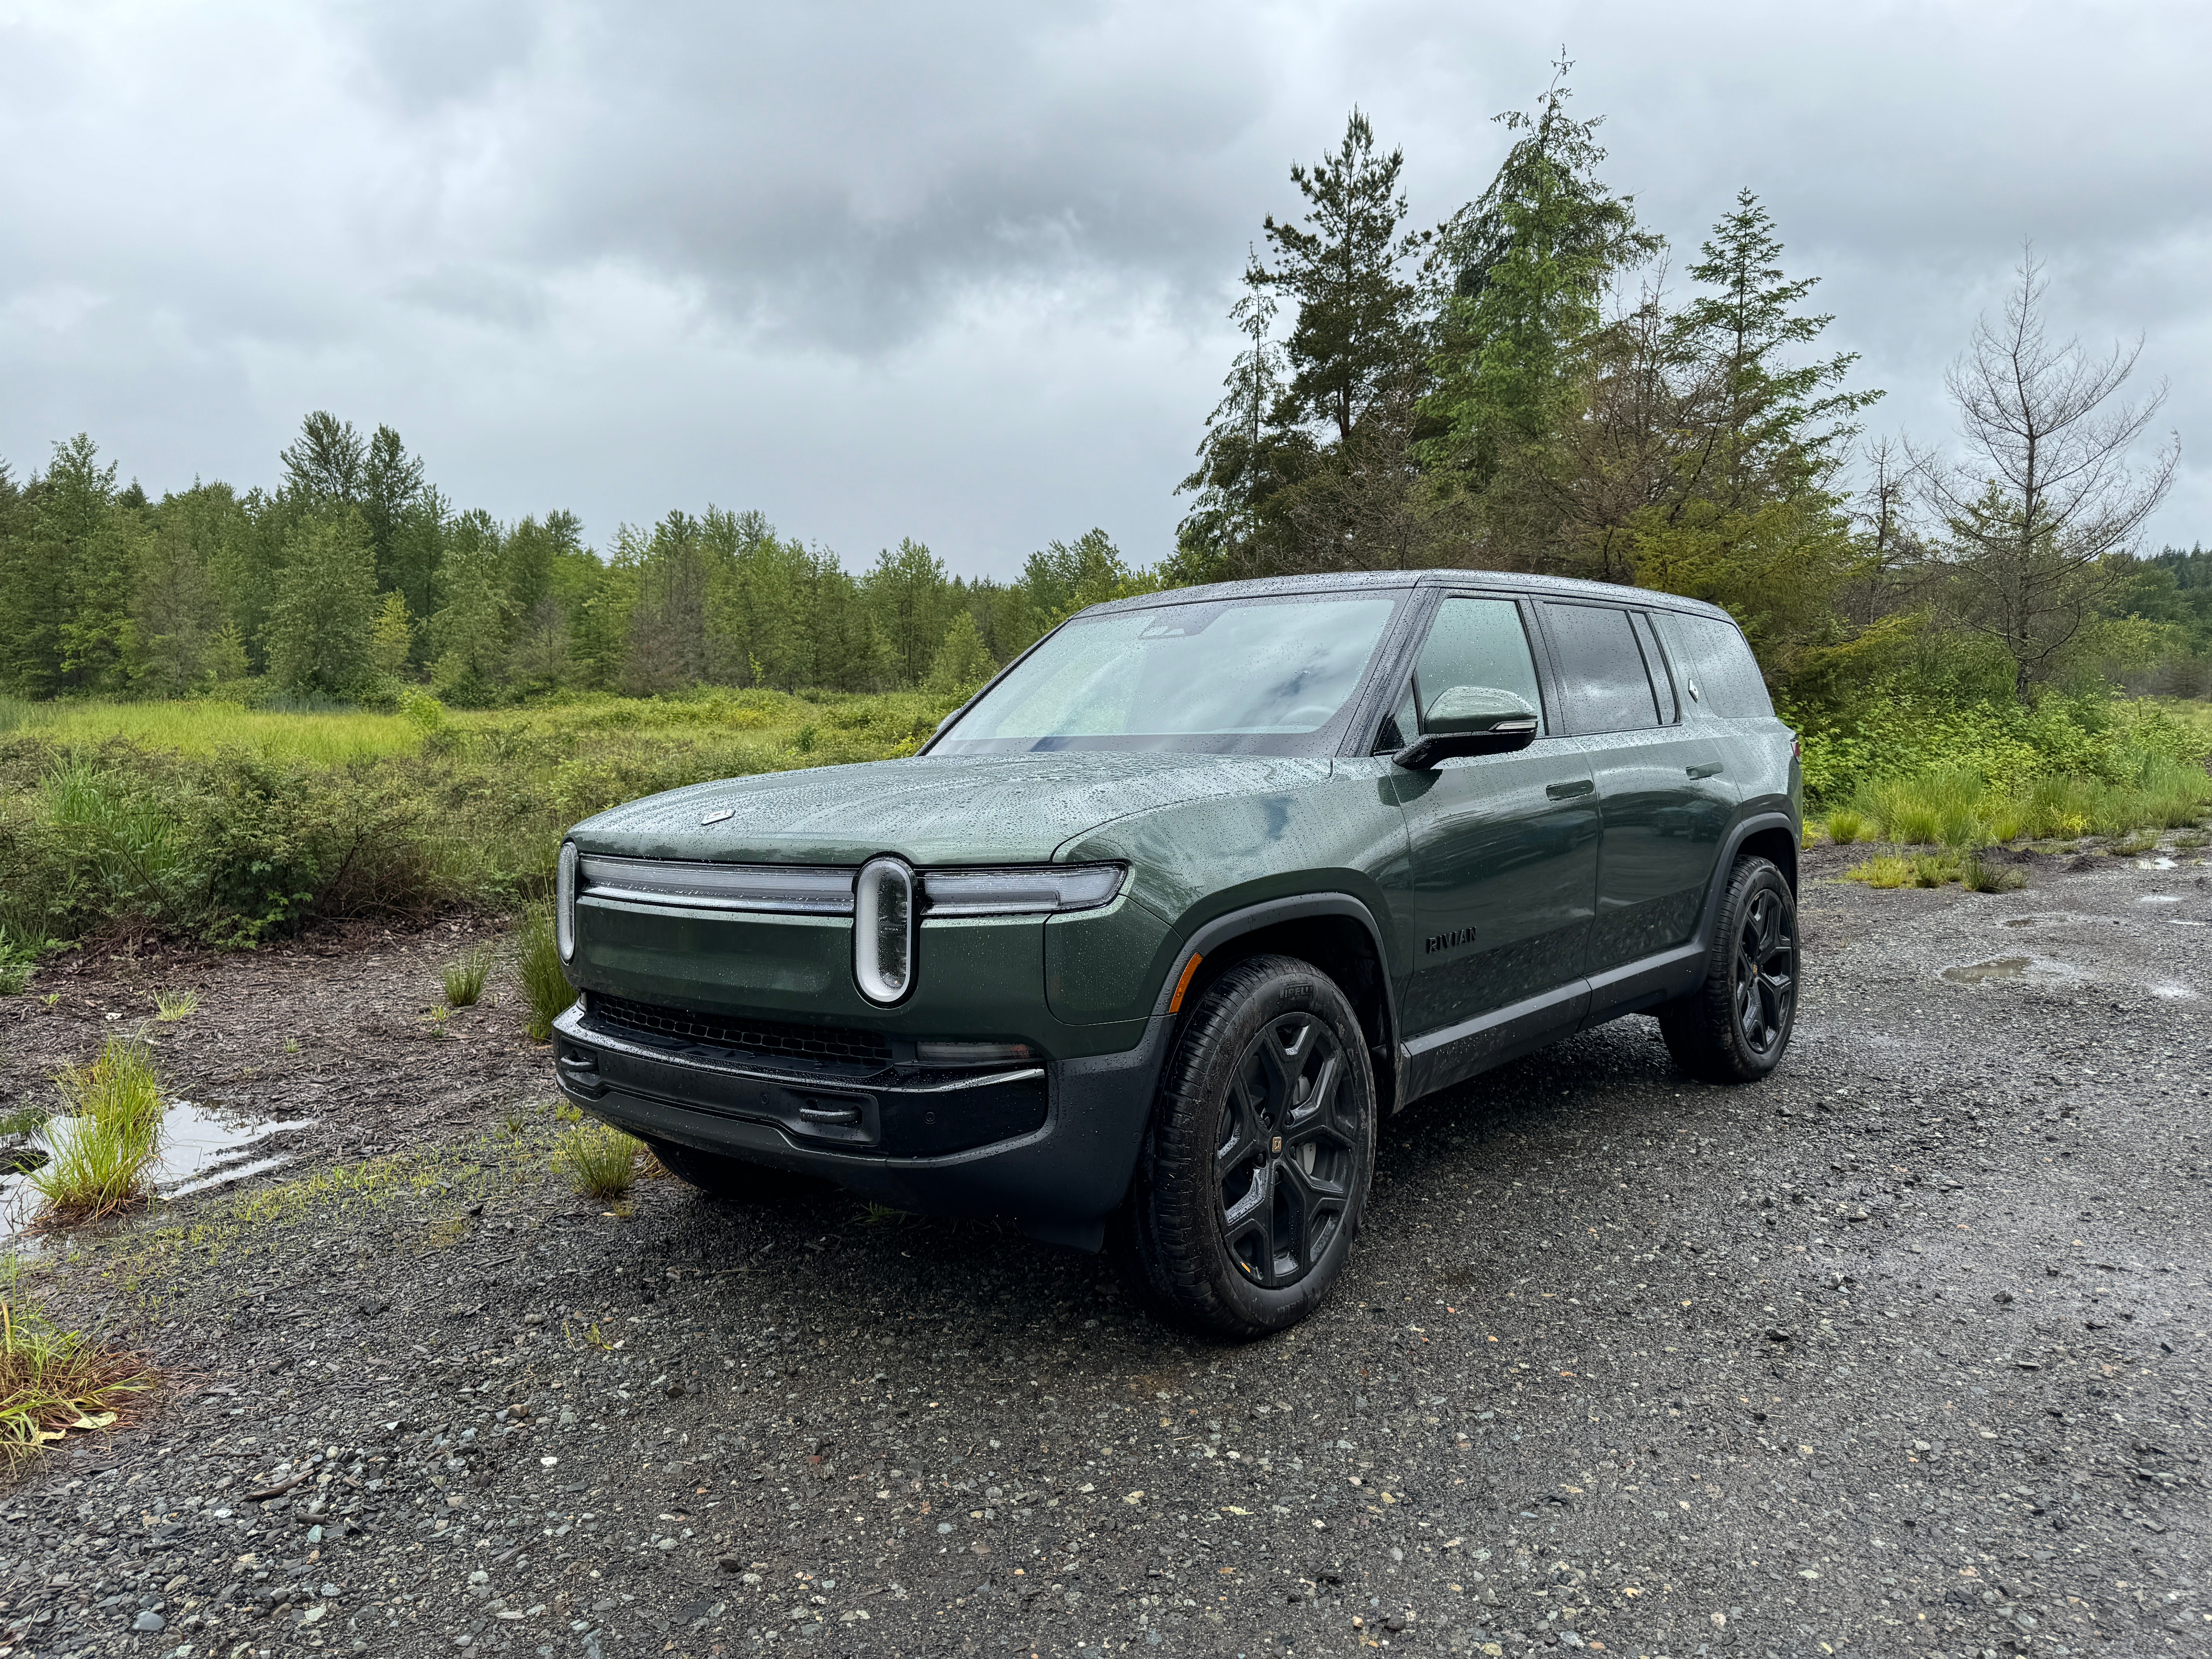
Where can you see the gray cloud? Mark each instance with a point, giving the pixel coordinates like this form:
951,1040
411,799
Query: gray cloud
959,274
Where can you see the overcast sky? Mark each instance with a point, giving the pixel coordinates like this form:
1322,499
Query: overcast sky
959,272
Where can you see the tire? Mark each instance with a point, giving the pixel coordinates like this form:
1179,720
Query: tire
1735,1027
731,1178
1256,1166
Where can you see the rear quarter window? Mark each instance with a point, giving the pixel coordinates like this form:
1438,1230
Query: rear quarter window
1716,663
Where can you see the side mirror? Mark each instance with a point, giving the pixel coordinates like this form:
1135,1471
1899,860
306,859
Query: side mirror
1470,720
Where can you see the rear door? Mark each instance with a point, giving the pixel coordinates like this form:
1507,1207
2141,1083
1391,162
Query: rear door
1661,785
1504,855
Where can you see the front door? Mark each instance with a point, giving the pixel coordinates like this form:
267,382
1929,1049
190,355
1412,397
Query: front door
1505,854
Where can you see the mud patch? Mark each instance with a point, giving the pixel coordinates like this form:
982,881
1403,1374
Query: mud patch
2016,970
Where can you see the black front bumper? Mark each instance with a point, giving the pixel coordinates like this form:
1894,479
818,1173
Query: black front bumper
1050,1145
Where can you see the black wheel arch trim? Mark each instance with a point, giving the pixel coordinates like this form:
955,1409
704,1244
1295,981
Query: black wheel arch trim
1731,849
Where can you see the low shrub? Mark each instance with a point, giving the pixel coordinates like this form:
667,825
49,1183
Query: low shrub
108,1139
465,975
1977,875
601,1162
55,1382
546,992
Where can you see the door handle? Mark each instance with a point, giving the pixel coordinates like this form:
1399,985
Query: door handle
1569,791
1708,770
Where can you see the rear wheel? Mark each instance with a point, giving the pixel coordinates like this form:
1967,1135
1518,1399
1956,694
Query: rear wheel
731,1178
1262,1144
1736,1026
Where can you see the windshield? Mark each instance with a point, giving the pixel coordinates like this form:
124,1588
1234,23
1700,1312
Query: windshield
1265,675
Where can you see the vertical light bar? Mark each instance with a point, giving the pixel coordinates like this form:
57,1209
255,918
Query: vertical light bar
564,903
882,930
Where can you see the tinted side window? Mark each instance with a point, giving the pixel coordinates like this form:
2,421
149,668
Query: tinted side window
1477,642
1718,668
1603,684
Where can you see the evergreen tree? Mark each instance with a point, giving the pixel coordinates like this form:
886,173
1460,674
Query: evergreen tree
1529,262
470,633
1358,315
327,463
323,622
391,483
176,616
907,600
85,545
961,663
665,649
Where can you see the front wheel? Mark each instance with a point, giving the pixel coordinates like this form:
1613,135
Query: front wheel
1261,1147
1735,1027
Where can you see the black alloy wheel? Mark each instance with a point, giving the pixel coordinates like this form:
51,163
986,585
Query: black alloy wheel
1767,972
1254,1172
1736,1026
1286,1161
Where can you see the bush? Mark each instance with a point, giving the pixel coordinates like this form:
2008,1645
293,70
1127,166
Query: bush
103,1148
52,1381
601,1162
546,992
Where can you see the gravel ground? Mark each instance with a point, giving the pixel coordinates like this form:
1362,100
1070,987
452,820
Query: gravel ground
1903,1352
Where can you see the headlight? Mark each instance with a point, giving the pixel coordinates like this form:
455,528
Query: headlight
564,903
882,930
1019,892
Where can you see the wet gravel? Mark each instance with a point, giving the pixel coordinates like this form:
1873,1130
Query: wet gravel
1902,1351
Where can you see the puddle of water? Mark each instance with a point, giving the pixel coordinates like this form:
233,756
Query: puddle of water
2023,970
2160,898
201,1147
2180,921
2160,863
2172,992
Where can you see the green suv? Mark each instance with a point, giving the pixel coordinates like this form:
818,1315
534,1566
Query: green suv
1139,945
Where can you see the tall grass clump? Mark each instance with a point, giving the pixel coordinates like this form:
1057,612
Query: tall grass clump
103,1148
54,1383
601,1162
465,976
546,992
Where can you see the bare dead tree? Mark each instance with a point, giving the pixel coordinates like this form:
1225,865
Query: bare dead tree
1899,568
2048,493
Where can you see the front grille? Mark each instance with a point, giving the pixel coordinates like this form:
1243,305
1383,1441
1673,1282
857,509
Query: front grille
818,1045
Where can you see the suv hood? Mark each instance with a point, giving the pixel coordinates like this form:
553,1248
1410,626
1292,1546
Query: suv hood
930,810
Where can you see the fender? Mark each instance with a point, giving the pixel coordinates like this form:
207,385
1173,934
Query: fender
1112,1095
1211,935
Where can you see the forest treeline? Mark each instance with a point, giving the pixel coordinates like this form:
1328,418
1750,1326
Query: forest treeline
1529,385
355,577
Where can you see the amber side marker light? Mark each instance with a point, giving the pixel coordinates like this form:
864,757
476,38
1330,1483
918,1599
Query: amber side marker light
1174,1002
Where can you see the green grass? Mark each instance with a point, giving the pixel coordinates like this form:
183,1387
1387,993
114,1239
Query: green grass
207,729
1954,808
601,1162
237,825
170,1006
465,975
54,1383
100,1162
546,992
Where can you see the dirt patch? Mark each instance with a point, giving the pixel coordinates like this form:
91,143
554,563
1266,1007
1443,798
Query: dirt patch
335,1027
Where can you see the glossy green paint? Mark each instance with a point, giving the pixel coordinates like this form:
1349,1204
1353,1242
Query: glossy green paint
1486,887
978,979
937,810
1505,879
1106,965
